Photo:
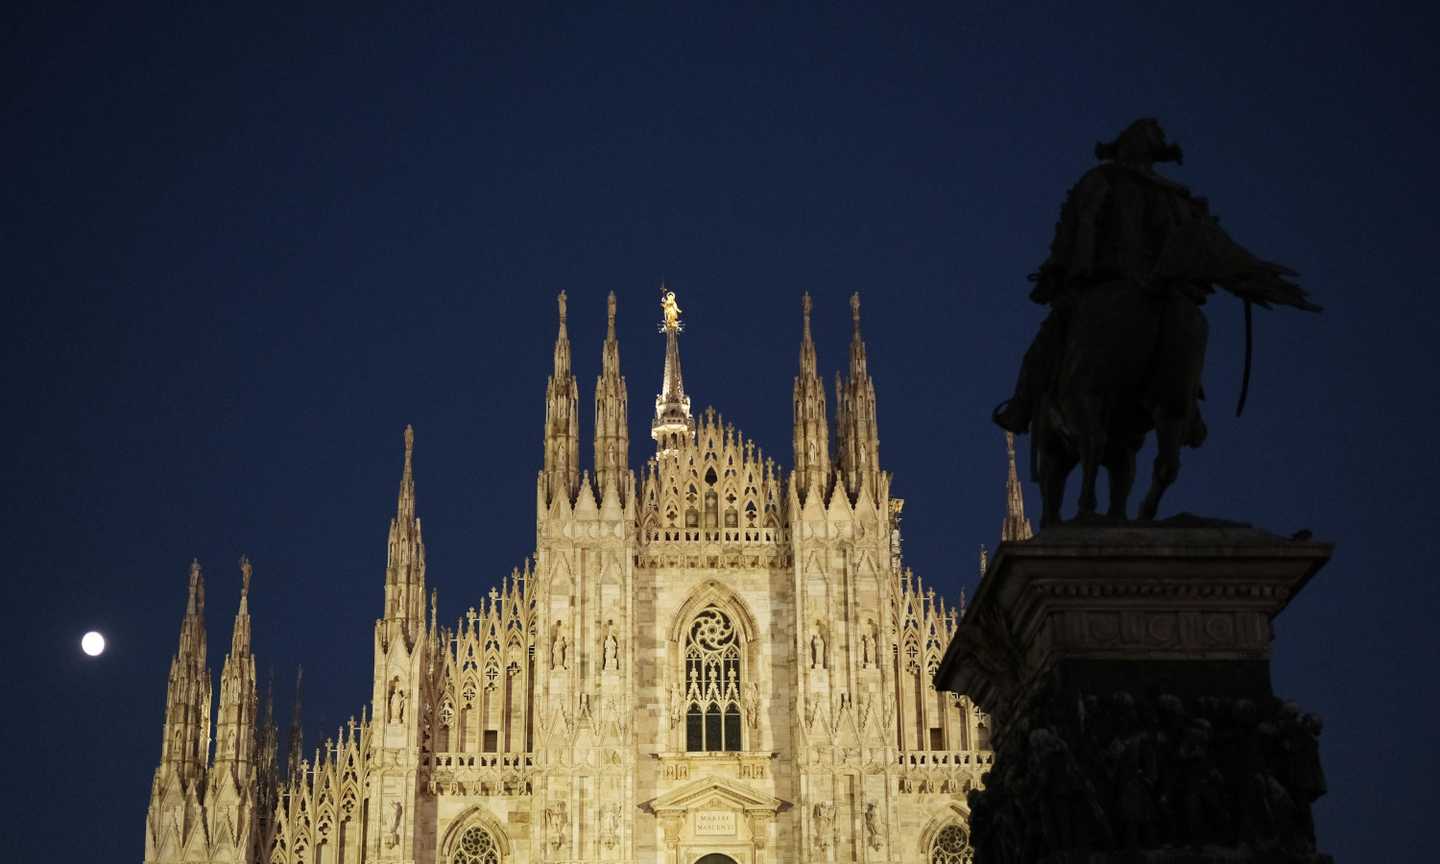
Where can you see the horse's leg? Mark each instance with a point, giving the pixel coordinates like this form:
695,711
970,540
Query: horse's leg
1121,466
1175,389
1092,448
1053,466
1169,433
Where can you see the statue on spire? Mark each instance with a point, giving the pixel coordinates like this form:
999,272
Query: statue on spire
671,312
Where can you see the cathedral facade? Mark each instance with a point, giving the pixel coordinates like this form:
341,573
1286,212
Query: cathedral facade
713,661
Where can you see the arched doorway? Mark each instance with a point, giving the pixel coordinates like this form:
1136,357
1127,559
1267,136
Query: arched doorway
716,858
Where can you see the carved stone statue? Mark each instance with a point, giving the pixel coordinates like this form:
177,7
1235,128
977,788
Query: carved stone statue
392,699
677,705
751,702
872,826
400,706
397,811
558,648
824,813
610,825
1134,256
817,651
612,651
556,825
867,651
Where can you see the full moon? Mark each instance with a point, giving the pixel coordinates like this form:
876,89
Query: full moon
92,643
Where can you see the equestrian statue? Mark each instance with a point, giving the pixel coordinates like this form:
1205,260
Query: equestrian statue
1135,256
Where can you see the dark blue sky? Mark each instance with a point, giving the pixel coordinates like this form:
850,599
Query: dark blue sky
243,248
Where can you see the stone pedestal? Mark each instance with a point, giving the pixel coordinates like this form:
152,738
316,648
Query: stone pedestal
1126,669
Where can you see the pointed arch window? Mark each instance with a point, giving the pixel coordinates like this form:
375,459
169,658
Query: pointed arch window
476,846
951,846
712,683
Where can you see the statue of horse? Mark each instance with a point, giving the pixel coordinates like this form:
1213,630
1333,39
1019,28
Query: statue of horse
1130,361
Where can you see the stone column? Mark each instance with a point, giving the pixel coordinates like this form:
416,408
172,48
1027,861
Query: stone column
1127,671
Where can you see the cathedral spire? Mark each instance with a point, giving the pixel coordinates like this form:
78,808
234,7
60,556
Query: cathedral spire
857,439
295,752
405,559
1015,526
812,434
612,415
186,746
235,725
673,426
562,421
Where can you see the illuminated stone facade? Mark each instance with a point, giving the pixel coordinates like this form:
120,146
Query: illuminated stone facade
711,658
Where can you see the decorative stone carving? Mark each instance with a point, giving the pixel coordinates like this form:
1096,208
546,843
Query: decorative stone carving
558,647
611,649
557,826
872,826
751,702
397,814
824,813
610,825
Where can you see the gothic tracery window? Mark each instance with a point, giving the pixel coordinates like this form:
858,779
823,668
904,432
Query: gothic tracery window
476,846
712,683
951,846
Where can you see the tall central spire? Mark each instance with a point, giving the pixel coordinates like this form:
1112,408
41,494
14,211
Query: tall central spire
673,425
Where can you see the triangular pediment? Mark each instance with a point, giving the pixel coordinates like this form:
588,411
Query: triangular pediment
714,792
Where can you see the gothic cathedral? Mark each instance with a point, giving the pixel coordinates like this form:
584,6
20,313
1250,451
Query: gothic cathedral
713,662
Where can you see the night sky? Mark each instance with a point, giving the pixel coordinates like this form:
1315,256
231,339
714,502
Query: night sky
243,248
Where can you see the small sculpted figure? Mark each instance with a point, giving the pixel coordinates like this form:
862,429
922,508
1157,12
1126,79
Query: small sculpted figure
391,702
612,650
751,701
1134,256
397,810
557,650
824,813
872,826
556,825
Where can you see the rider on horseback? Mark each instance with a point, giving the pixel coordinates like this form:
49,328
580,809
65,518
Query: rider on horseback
1114,226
